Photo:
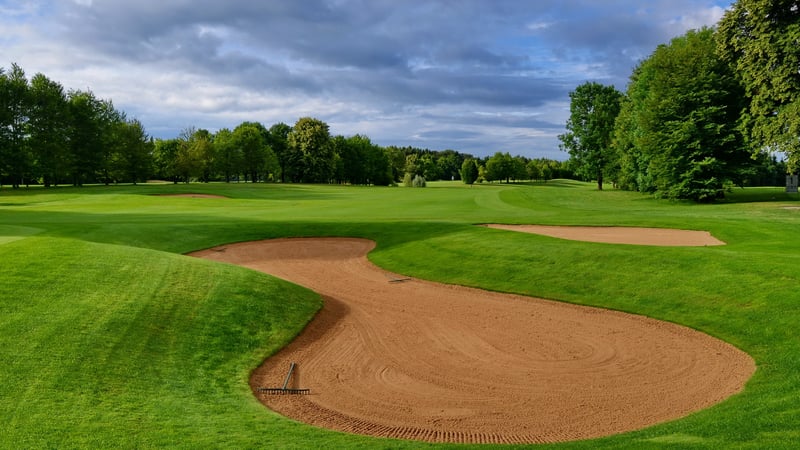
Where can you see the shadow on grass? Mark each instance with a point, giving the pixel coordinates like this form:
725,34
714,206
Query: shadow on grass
197,232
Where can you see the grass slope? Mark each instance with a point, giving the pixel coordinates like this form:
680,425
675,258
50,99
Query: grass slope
110,338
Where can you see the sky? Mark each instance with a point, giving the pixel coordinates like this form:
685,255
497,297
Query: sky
477,76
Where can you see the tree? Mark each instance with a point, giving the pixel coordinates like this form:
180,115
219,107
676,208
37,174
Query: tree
761,40
86,137
593,110
229,155
309,142
430,169
278,140
249,138
534,172
397,161
48,129
678,128
449,163
519,170
133,152
165,159
15,159
469,171
500,167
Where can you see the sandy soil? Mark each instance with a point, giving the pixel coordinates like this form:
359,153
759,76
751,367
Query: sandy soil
192,195
411,359
620,235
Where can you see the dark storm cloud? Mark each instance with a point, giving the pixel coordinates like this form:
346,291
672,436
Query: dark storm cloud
434,71
435,51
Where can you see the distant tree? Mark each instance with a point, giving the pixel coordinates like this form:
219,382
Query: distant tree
761,40
590,128
165,159
519,168
469,171
87,138
189,158
500,167
278,141
15,158
449,164
48,129
229,162
430,169
133,153
534,172
309,140
397,161
249,138
413,167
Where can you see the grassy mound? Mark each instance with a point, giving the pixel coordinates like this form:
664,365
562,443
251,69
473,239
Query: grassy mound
110,338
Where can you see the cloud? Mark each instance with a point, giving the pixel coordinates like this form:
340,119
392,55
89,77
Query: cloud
475,75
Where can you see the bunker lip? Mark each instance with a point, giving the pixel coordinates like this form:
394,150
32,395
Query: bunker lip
191,195
398,357
665,237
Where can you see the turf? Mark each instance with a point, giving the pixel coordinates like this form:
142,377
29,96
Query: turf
110,338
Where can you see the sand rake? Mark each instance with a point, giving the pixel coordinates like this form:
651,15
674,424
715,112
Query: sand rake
285,389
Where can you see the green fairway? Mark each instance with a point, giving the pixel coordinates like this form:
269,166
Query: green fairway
110,338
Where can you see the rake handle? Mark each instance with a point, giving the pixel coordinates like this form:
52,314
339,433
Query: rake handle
288,375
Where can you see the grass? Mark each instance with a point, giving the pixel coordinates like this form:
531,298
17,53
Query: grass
110,338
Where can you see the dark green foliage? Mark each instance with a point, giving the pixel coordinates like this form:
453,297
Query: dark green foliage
278,141
761,40
500,167
309,143
359,161
228,155
677,131
48,129
15,157
469,171
590,128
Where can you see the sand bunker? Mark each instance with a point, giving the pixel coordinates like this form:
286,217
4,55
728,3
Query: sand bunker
405,358
620,235
191,195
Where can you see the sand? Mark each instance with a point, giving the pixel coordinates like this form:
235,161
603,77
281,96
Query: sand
192,195
405,358
620,235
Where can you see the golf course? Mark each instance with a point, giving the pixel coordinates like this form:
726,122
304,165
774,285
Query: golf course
112,335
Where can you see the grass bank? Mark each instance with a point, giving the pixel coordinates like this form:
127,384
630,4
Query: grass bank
111,338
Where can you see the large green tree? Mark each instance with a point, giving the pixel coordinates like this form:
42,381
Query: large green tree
469,171
133,152
15,158
309,141
590,128
678,128
500,167
250,138
228,154
278,141
761,39
48,129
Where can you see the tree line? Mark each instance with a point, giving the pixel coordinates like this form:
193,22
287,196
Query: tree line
51,136
307,153
705,112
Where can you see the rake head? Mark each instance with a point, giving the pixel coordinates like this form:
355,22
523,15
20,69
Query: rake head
284,391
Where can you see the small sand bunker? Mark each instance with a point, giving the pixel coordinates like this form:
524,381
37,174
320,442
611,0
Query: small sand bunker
405,358
663,237
191,195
